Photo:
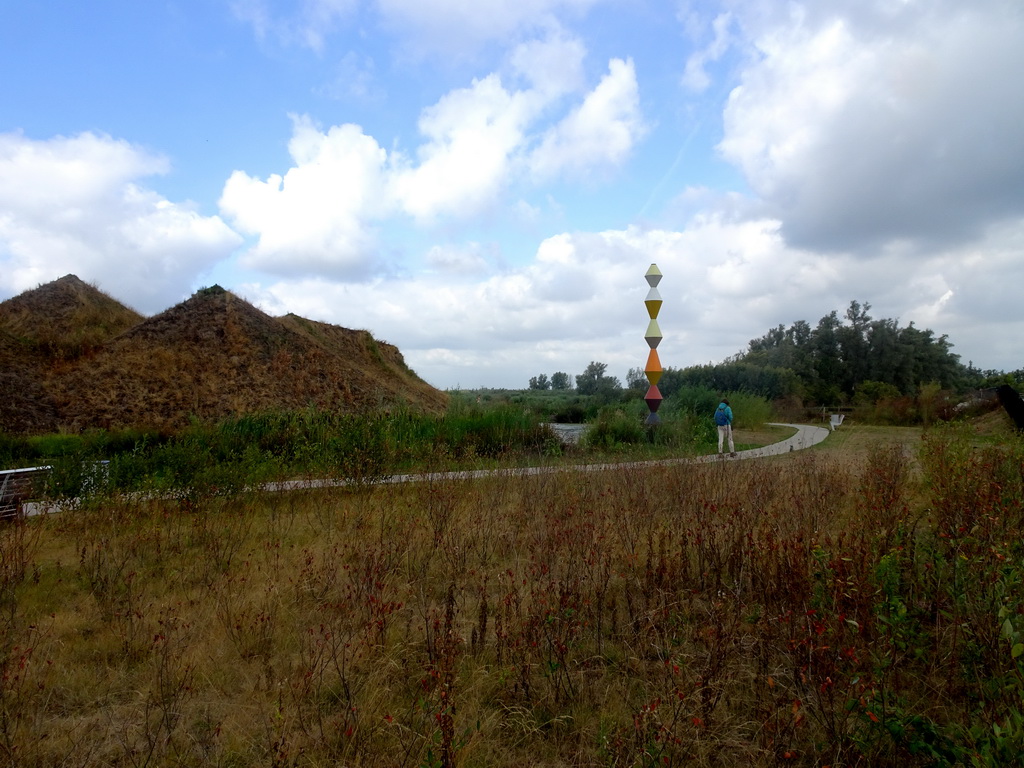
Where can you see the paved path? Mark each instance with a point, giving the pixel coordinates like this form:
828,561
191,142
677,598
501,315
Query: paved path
804,437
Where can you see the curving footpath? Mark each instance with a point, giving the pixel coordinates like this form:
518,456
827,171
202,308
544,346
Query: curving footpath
804,437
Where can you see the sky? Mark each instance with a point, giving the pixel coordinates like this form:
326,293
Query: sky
484,183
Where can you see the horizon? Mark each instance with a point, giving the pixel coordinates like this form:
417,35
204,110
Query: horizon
623,379
484,186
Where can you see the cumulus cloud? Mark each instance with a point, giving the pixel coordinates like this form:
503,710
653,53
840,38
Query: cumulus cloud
318,216
727,280
599,133
75,205
471,134
581,299
861,125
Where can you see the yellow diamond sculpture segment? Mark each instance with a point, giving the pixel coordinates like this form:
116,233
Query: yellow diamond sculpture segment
653,335
653,276
653,303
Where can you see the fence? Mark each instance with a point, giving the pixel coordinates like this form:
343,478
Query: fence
18,486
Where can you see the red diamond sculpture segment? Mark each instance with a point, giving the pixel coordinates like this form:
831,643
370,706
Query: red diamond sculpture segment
653,398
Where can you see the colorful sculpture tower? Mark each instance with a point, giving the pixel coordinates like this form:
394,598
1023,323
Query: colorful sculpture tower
653,337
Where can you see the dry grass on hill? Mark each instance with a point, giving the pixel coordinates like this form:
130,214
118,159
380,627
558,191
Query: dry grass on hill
25,406
93,363
66,318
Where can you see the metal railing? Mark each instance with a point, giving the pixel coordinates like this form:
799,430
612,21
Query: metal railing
18,486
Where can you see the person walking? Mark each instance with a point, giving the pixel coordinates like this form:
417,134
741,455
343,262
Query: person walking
723,418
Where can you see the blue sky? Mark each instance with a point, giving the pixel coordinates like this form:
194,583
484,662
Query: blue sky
484,183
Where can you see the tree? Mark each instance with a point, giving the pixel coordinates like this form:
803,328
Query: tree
540,382
636,379
594,382
560,380
828,362
833,359
853,346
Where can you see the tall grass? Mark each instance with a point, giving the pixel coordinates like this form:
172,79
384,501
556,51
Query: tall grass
251,448
254,448
362,447
795,611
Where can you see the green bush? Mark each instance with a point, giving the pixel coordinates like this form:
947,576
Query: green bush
16,451
615,428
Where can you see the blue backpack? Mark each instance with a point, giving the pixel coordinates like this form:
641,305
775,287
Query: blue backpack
721,419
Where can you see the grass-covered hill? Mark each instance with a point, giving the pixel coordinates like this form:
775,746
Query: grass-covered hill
74,358
66,318
25,405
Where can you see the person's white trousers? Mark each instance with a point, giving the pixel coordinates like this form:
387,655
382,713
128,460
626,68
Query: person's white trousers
724,432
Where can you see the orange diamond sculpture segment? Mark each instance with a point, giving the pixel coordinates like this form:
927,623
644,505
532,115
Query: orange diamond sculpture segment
653,368
653,303
653,361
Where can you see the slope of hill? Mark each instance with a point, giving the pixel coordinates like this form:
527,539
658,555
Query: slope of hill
210,357
25,405
45,329
66,318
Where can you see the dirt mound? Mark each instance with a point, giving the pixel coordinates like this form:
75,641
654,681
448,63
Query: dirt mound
210,357
66,318
25,405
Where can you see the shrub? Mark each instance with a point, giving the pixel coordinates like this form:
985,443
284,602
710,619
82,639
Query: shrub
615,428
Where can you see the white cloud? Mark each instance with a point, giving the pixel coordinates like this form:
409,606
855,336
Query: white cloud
75,205
726,282
580,300
597,134
461,27
78,170
307,25
864,124
695,76
552,66
318,216
471,134
354,78
468,259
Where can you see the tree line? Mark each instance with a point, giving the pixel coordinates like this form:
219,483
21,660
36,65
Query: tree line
593,381
838,360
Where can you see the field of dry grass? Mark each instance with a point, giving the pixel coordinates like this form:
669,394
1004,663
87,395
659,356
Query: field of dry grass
805,610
